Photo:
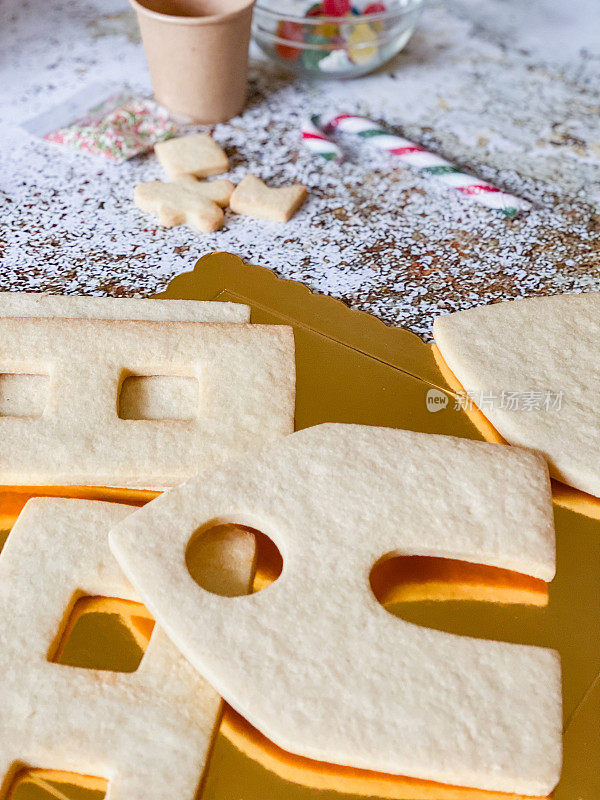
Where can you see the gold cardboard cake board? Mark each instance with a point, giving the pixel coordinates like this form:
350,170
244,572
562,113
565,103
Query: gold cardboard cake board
352,368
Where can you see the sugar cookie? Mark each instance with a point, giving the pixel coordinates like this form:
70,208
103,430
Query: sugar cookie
533,368
313,661
219,191
244,374
254,198
197,155
179,203
38,304
25,394
148,732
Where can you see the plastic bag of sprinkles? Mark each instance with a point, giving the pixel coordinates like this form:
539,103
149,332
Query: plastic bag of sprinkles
99,120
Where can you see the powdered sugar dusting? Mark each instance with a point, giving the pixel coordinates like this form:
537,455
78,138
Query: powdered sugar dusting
382,238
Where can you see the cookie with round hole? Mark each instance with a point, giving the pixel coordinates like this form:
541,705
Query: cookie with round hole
313,661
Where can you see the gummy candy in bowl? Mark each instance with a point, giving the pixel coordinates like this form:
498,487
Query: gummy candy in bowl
334,38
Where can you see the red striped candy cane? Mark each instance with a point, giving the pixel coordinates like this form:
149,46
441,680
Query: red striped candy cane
413,155
316,141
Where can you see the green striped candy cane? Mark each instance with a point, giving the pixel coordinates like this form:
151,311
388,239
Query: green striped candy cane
417,157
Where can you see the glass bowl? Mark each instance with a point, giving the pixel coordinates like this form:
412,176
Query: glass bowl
307,38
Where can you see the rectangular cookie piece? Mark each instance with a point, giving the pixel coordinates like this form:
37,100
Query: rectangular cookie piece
24,394
40,304
246,386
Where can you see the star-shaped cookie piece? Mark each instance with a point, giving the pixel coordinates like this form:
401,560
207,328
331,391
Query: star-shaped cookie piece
218,191
182,203
197,155
254,198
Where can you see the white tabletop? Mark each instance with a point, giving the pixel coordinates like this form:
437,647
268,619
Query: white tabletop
507,88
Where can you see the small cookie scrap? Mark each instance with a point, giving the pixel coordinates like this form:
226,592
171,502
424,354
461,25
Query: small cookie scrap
182,202
197,155
254,198
218,191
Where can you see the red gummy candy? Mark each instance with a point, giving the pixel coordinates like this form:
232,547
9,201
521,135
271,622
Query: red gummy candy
336,8
375,8
292,31
315,11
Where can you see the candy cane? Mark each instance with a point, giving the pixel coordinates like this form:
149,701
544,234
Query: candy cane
413,155
317,142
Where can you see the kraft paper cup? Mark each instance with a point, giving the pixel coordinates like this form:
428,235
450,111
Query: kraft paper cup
197,52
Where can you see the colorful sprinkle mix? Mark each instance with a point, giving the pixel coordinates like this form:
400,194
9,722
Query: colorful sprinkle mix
118,129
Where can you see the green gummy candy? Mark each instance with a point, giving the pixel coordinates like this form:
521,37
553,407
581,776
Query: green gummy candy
311,58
